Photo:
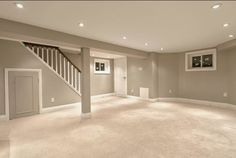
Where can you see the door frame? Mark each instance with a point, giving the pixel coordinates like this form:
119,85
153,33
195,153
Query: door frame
126,80
7,70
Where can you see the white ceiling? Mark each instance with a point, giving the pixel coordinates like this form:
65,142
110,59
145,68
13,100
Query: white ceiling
175,26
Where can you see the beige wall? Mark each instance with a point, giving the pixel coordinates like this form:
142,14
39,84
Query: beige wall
232,75
138,75
204,85
168,75
101,83
14,55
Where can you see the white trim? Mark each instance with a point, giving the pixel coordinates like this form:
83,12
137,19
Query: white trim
51,68
102,95
7,70
185,100
136,97
62,107
208,103
86,115
201,52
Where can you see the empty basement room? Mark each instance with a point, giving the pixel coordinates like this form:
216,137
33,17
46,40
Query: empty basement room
117,79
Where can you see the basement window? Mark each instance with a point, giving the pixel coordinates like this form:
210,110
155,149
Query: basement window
204,60
102,66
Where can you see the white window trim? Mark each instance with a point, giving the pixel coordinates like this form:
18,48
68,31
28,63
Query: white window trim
202,52
107,65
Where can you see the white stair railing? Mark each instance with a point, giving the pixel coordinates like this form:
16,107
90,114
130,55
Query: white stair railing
58,63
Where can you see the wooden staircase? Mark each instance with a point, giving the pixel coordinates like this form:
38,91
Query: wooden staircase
56,61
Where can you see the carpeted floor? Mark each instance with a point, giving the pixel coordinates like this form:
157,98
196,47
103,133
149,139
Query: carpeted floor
124,128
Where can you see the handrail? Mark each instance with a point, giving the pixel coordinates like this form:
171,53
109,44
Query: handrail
54,47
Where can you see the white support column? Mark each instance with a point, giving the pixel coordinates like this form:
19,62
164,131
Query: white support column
85,82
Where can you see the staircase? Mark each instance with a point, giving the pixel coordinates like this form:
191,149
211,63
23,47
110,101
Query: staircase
55,60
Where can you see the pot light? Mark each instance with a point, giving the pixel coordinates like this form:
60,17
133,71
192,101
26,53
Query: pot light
146,44
226,25
231,36
81,24
162,48
124,37
216,6
19,5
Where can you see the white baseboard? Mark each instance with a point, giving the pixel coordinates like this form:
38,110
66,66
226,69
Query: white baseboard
3,118
102,95
185,100
61,107
208,103
86,115
139,98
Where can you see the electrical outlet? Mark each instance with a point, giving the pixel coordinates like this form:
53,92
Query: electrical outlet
225,94
52,100
170,91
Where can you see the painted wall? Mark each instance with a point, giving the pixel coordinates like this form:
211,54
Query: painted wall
232,75
205,85
168,76
100,83
14,55
138,75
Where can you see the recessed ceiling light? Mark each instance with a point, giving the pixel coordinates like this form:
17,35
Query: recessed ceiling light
231,36
19,5
216,6
162,48
81,24
146,44
124,37
226,25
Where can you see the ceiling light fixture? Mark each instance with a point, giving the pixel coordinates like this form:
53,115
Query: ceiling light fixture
19,5
231,36
226,25
81,24
216,6
146,44
124,37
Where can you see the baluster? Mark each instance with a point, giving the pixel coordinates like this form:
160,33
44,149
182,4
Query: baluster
68,71
76,79
72,75
52,56
56,61
64,64
60,64
38,51
79,81
42,51
47,59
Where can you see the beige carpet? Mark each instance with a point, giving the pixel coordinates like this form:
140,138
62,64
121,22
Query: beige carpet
124,128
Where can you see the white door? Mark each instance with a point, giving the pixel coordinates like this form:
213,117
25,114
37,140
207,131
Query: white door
23,93
120,76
